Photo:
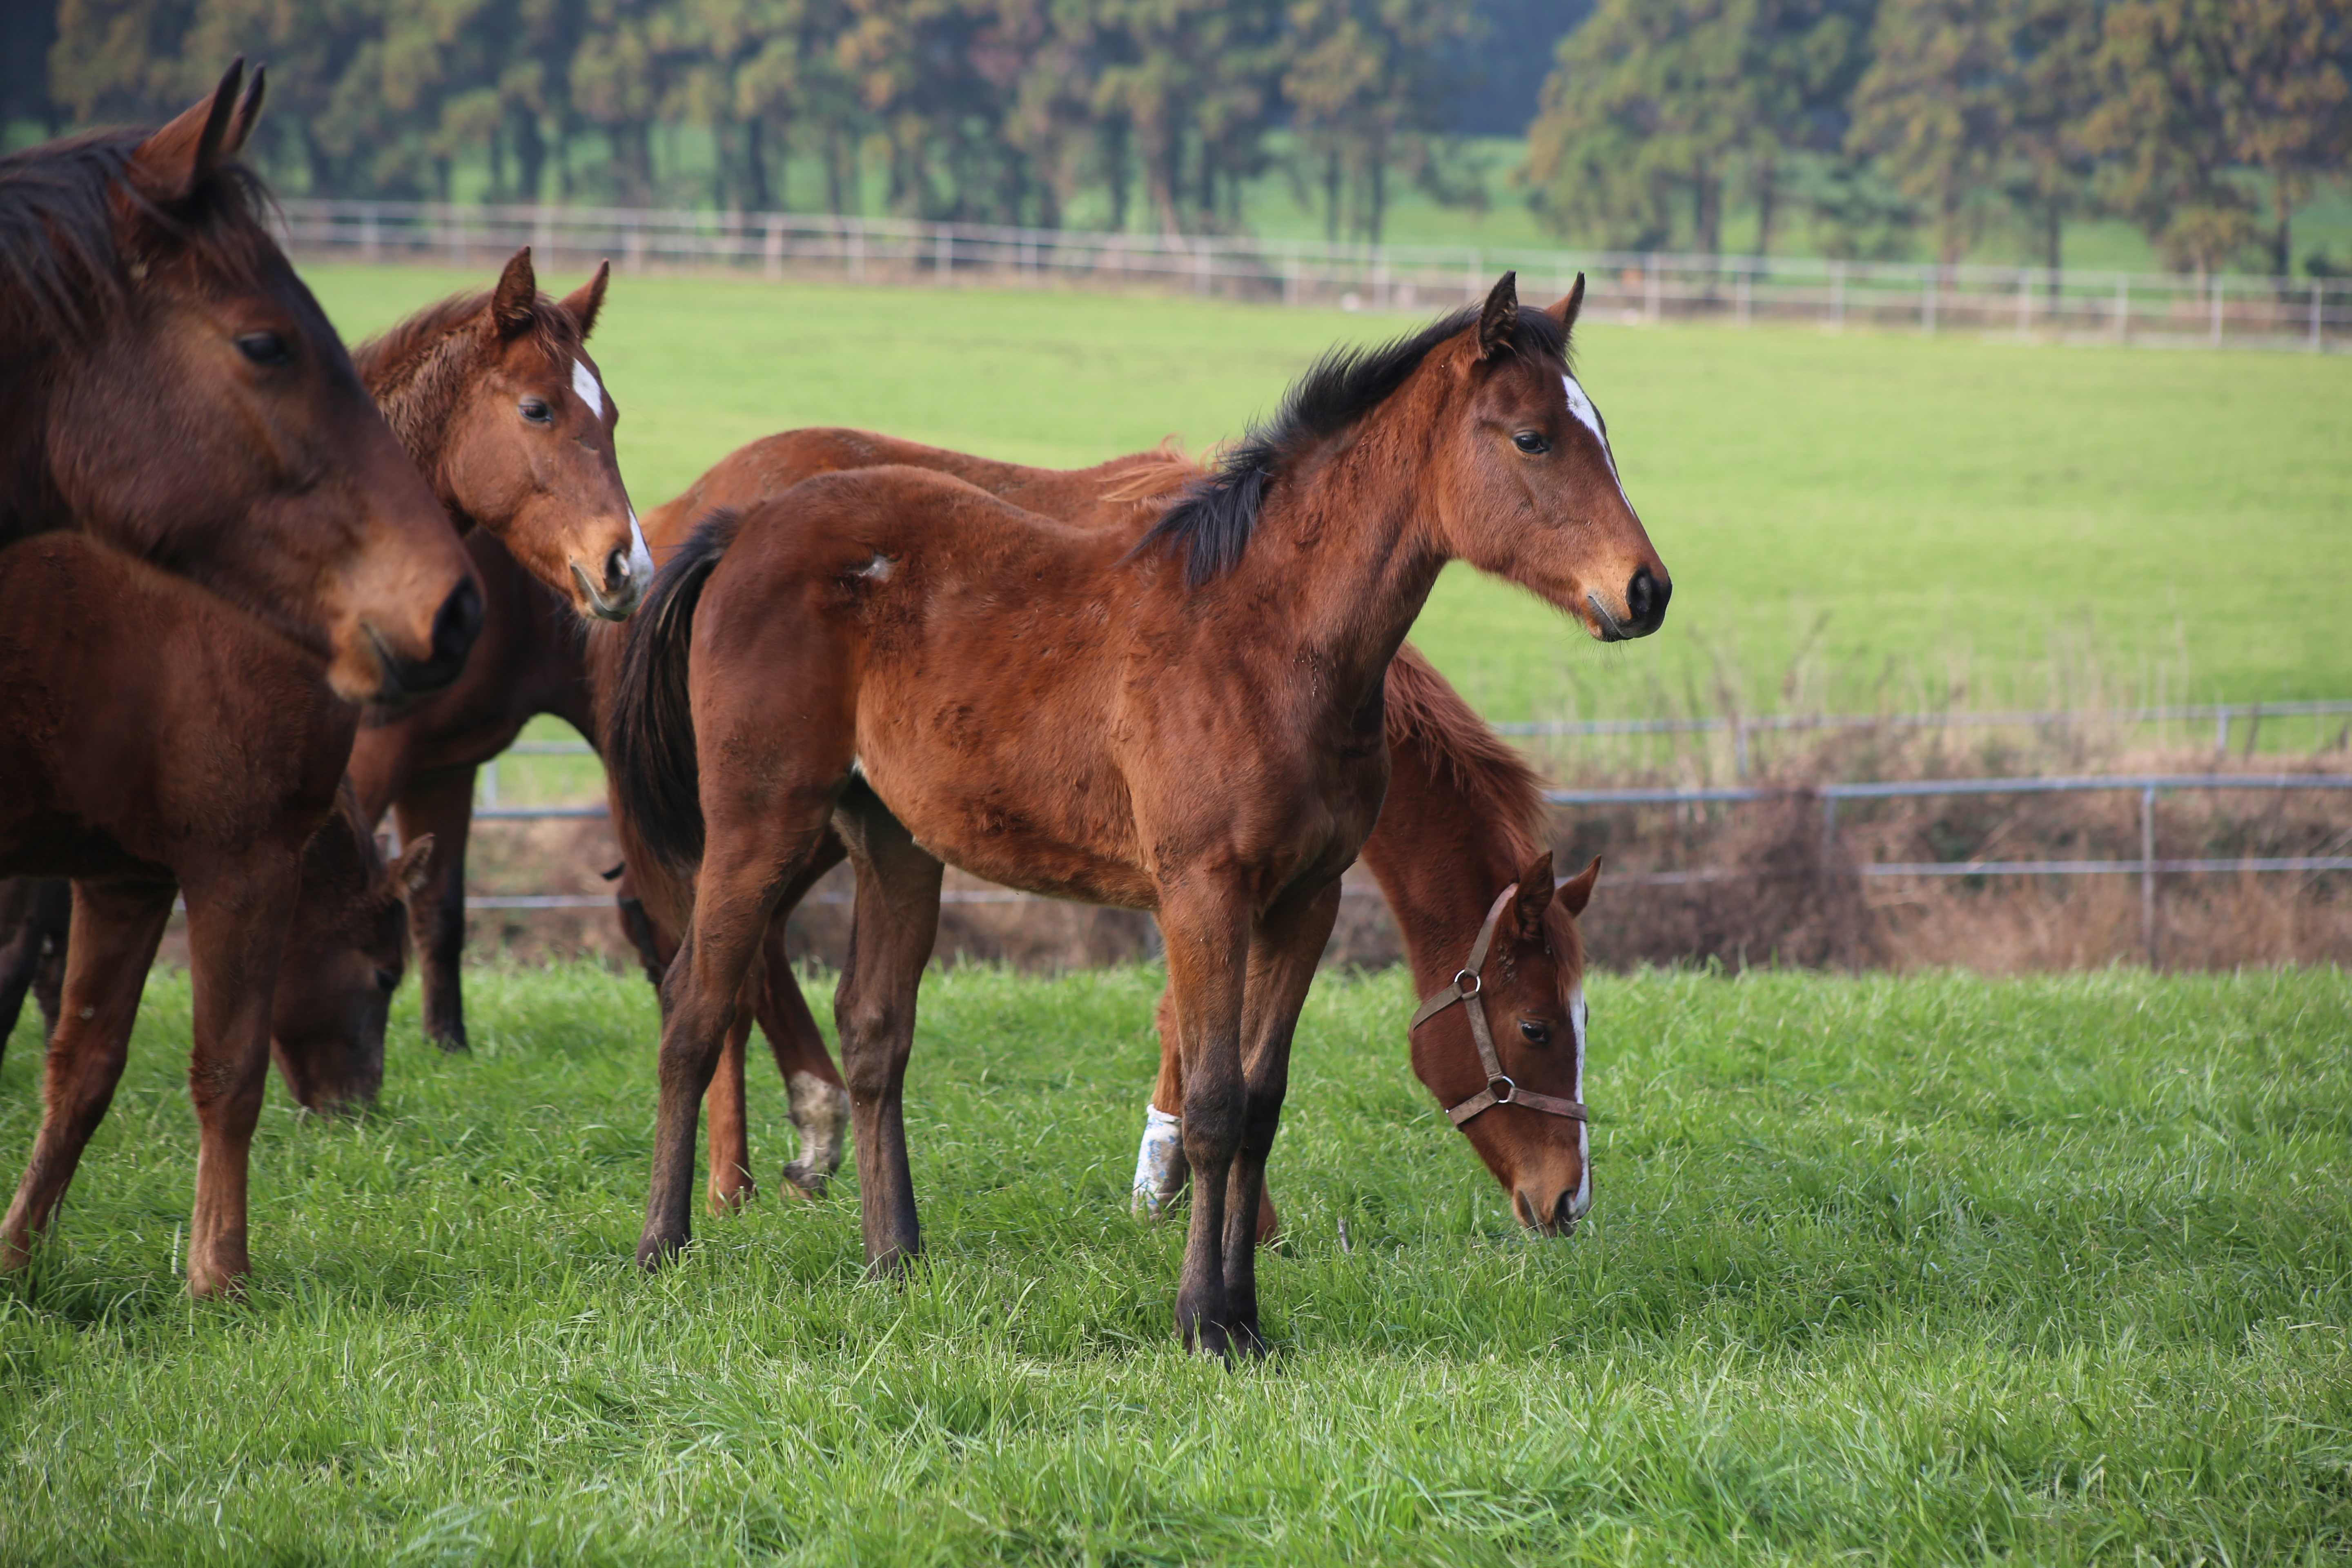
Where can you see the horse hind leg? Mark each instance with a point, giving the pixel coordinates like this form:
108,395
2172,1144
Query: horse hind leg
731,1184
819,1100
1161,1169
895,923
115,932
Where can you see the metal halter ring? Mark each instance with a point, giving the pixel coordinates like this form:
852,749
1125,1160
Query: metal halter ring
1475,984
1509,1088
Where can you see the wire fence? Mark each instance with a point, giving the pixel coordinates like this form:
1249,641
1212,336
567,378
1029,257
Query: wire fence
2042,304
2147,866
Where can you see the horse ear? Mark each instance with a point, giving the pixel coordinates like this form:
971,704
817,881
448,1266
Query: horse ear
517,291
585,301
1577,891
1500,322
1564,310
408,874
1535,896
171,165
248,109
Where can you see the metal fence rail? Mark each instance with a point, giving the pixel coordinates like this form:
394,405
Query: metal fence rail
2147,866
2068,304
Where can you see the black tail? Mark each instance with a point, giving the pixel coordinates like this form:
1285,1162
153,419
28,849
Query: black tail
649,731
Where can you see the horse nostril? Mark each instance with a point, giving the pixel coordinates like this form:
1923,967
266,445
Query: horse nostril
1645,601
456,625
616,571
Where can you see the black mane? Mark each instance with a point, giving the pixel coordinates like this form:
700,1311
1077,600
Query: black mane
1209,525
62,271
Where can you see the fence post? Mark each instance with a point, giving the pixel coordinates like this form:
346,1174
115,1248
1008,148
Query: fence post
2217,309
2024,302
1740,746
454,231
2123,307
2314,315
371,247
632,247
1650,286
2148,871
1741,292
1927,304
1837,294
490,782
2222,731
1470,274
1829,829
1289,293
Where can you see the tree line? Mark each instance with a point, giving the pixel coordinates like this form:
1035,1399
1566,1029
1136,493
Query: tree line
2206,124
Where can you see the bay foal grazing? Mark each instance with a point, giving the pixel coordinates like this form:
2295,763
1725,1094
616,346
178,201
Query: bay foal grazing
346,950
168,386
1192,725
1456,855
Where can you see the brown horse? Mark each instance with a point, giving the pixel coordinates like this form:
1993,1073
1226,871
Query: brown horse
501,409
199,756
168,386
1459,832
346,950
942,677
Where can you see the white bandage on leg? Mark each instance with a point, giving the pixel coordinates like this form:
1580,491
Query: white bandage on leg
1159,1163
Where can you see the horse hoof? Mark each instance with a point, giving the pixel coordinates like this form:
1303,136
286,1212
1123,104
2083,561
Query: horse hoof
655,1250
452,1043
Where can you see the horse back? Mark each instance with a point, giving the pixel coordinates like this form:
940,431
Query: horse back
159,726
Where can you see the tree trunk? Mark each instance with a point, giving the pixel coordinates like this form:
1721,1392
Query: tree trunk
1767,191
2053,243
2282,238
1114,157
758,192
1376,183
1706,210
1331,186
530,155
832,171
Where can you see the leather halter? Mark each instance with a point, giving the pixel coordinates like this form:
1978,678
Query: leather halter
1468,989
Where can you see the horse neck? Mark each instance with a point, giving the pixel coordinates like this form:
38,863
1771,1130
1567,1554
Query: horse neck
419,396
1341,542
1439,861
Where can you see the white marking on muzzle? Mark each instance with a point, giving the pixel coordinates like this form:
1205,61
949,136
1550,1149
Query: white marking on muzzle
586,388
641,556
1581,407
1582,1201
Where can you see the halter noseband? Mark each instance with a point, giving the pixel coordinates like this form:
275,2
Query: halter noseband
1469,989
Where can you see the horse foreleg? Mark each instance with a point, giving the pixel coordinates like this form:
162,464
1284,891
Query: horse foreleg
1283,952
236,928
895,923
1207,929
443,806
115,931
819,1100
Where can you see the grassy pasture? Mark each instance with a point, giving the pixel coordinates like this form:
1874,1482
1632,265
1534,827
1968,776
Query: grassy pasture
1916,1270
1903,513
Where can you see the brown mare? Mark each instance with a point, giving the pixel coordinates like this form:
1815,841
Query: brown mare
168,386
1192,724
199,757
346,949
1460,828
502,408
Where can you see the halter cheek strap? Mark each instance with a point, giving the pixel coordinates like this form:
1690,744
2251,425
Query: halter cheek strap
1469,989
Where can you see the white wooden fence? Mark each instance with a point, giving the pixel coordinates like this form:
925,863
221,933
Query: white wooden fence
2069,305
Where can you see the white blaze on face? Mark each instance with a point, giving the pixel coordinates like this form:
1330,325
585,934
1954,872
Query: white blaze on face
1583,1201
1580,407
586,388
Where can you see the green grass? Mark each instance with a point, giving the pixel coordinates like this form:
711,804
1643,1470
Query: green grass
1949,511
1901,1270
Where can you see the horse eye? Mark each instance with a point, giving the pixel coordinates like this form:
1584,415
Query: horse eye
1531,442
538,412
265,349
1537,1034
387,980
